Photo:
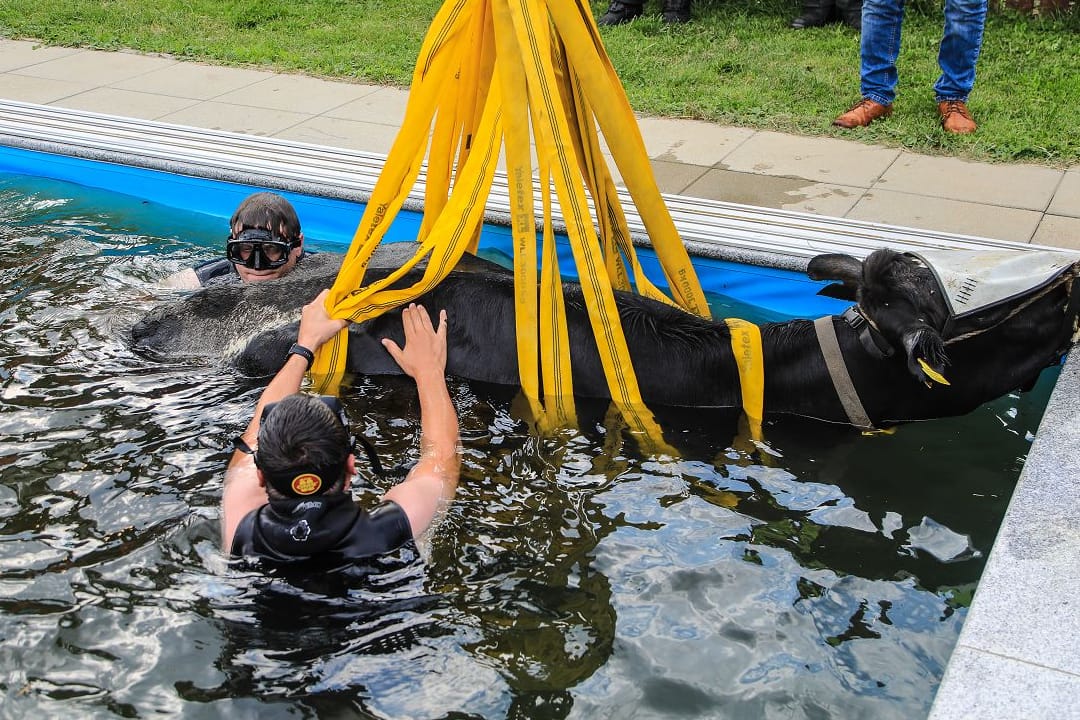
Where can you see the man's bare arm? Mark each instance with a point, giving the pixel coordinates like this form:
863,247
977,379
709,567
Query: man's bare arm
432,482
185,279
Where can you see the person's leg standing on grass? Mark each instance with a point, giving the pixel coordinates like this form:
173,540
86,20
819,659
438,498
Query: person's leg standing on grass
961,41
815,13
879,46
673,12
621,12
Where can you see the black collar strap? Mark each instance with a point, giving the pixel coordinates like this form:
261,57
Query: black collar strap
871,338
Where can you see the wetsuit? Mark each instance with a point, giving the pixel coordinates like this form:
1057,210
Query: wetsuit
219,270
330,530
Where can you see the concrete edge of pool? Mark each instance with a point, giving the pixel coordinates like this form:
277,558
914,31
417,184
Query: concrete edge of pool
1015,656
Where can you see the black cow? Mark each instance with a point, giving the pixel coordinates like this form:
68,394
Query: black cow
681,360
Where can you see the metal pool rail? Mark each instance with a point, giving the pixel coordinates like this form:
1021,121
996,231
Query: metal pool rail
727,231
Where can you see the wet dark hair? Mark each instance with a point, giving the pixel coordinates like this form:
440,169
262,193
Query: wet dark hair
300,436
269,211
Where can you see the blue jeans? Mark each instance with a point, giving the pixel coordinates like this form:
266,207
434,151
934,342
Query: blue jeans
960,44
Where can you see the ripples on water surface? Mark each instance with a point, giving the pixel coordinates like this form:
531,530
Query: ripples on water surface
574,577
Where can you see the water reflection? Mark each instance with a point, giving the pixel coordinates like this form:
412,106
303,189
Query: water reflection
824,575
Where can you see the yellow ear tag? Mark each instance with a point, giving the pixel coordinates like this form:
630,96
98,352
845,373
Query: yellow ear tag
879,431
932,374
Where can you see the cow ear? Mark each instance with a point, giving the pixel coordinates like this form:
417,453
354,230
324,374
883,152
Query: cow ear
836,266
926,358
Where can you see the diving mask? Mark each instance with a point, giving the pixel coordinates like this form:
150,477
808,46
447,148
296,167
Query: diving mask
259,249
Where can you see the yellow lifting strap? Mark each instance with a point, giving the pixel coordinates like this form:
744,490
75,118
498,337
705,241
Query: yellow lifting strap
750,359
504,73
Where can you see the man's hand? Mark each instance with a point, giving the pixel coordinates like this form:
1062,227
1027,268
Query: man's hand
316,325
432,482
424,354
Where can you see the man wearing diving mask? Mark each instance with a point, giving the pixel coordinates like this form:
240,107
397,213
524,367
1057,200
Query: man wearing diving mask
265,242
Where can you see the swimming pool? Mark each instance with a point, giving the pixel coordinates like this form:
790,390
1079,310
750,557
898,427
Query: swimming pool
575,577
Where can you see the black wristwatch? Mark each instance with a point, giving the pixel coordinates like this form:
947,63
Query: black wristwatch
298,349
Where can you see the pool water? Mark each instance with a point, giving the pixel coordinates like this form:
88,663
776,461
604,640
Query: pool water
574,577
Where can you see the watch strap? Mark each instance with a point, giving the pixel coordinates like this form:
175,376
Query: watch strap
298,349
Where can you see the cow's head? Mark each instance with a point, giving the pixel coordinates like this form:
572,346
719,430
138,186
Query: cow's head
900,298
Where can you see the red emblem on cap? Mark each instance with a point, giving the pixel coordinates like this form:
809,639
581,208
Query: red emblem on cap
306,484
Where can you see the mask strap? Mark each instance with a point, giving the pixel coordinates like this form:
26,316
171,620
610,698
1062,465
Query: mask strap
373,458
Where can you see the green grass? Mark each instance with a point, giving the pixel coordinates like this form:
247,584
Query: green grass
737,63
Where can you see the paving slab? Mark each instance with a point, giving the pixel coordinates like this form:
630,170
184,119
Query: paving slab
384,105
127,103
1030,187
775,192
194,80
616,173
954,216
15,54
827,160
42,91
236,118
336,132
1047,693
690,141
676,177
295,93
1059,231
824,199
96,68
1067,197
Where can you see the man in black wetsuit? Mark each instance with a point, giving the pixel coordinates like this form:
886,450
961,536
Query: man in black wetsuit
265,242
286,496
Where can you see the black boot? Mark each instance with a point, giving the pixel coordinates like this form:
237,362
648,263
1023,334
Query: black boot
676,11
850,13
620,12
815,14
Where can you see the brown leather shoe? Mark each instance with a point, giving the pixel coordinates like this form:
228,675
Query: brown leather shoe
955,117
863,113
